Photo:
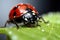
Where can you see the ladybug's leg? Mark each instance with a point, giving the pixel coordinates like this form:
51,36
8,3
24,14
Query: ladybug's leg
6,23
43,19
37,23
16,24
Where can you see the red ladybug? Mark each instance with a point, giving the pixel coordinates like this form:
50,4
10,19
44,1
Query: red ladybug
23,13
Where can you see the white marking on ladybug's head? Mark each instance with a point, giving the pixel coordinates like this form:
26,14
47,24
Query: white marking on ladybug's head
28,15
33,13
26,19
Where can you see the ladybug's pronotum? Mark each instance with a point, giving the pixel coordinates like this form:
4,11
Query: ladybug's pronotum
23,13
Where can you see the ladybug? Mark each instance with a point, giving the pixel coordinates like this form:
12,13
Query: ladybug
23,13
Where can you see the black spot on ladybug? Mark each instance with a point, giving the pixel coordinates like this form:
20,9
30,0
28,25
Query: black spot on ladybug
14,14
29,10
15,8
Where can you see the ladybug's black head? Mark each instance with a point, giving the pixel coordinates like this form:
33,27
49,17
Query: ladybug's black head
30,17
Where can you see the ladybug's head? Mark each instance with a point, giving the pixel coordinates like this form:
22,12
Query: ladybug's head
30,16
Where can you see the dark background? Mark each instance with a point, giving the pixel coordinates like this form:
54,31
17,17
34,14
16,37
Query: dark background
54,6
43,6
49,6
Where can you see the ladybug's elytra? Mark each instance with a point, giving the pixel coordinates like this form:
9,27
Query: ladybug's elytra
23,13
20,9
